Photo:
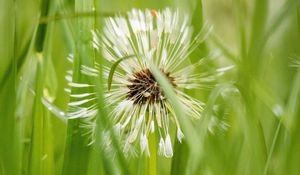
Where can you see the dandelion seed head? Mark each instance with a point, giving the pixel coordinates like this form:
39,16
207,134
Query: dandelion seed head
145,89
163,37
138,104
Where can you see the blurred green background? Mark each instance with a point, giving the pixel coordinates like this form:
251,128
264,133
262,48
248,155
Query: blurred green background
251,121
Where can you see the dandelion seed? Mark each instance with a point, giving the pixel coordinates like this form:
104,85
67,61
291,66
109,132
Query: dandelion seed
168,147
139,105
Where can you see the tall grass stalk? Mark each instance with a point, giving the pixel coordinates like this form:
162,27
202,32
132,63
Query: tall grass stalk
77,150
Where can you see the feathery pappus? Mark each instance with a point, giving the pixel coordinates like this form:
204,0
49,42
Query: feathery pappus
138,104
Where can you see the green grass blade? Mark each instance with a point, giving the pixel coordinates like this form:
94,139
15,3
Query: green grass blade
192,138
198,24
77,150
36,148
113,68
10,125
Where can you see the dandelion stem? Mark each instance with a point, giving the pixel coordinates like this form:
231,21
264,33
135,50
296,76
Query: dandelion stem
152,160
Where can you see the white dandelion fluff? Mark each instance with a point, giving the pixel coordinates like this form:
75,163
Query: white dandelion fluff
139,106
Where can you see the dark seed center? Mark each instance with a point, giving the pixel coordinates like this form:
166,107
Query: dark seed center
144,88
